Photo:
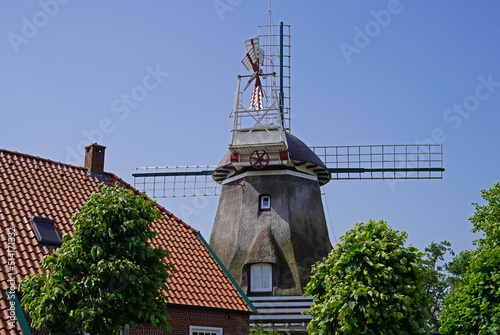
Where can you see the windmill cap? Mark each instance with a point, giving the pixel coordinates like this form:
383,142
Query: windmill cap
299,151
302,157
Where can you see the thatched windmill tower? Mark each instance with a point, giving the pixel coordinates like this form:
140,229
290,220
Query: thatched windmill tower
270,225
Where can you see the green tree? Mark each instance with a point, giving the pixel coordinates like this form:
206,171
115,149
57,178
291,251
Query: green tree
370,283
261,331
458,266
486,218
106,275
473,305
437,279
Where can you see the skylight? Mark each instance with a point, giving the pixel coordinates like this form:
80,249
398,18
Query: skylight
45,231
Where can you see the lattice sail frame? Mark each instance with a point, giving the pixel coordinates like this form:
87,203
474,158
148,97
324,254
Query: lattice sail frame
410,161
401,161
176,181
275,41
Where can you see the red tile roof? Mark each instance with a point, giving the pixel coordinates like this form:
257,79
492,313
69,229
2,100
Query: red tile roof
33,186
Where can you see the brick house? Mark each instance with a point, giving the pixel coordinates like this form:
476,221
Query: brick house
203,298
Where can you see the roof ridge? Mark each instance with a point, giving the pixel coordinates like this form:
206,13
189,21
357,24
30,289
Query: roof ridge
42,159
107,173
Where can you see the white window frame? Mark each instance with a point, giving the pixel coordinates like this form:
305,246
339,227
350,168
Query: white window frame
261,204
125,331
205,330
269,280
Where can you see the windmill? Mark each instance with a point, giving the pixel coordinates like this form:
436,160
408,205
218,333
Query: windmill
270,225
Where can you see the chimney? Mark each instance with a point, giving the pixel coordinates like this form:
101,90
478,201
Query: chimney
94,160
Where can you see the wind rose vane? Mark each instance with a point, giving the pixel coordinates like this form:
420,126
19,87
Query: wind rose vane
252,61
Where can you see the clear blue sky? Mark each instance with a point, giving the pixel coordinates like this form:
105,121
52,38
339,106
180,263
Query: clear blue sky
65,66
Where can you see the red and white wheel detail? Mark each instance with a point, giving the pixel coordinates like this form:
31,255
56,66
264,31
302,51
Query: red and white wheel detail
259,159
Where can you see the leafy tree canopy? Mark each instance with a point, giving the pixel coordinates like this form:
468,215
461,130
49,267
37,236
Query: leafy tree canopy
370,283
106,275
261,331
437,279
486,218
473,306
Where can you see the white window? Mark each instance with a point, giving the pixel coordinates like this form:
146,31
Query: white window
265,202
125,331
261,278
194,330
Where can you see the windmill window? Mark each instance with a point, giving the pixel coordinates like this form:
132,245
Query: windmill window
261,278
193,330
45,231
265,201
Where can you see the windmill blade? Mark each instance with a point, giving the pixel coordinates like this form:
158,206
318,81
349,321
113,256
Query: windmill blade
407,161
256,100
176,181
250,80
258,97
253,54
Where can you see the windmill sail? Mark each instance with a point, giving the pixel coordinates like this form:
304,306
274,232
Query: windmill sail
254,54
257,96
